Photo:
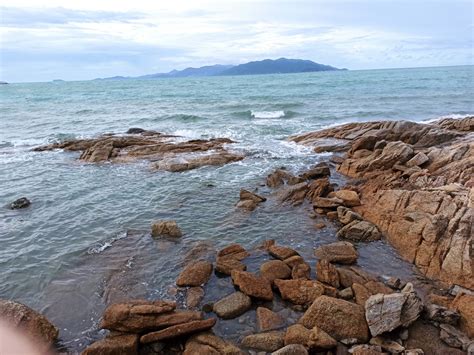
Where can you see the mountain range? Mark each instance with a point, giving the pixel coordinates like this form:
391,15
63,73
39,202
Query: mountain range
267,66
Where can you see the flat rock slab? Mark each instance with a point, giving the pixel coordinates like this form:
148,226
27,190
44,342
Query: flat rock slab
120,344
339,252
195,274
269,341
178,330
281,252
253,285
302,292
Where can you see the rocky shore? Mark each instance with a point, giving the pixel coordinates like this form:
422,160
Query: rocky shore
408,183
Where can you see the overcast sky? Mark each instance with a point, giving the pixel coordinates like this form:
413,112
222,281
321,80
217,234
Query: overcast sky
75,40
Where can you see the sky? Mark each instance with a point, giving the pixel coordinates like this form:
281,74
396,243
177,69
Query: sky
80,40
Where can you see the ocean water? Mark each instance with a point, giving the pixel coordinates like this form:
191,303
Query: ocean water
83,242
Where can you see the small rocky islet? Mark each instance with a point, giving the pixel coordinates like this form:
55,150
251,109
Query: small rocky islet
411,184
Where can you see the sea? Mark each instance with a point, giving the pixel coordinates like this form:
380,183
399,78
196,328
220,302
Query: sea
84,242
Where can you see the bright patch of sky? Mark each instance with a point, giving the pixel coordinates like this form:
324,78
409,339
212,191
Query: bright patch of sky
76,40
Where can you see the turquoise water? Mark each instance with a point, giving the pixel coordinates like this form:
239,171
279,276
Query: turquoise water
69,254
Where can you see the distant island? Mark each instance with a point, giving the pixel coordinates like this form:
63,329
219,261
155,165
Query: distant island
267,66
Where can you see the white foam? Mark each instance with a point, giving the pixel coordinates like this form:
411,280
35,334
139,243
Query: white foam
267,114
454,116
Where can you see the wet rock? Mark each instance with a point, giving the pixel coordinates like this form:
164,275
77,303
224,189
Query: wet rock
346,215
178,330
275,269
269,341
249,200
295,194
281,252
232,305
120,344
339,252
236,251
227,265
165,228
301,272
302,292
327,202
135,130
464,304
252,285
140,315
388,345
292,349
20,203
268,320
208,343
453,337
341,319
32,323
346,294
441,314
384,313
327,273
195,274
278,178
349,198
360,231
319,188
317,172
194,296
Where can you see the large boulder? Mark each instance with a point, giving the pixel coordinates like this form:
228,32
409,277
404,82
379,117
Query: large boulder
252,285
339,252
195,274
232,305
28,321
341,319
385,312
165,228
302,292
124,344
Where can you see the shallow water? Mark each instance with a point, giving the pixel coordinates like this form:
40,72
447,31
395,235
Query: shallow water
70,253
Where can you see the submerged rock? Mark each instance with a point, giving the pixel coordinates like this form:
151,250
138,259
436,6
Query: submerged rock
20,203
165,228
249,200
232,305
33,324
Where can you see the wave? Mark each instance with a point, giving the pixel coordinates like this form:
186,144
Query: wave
181,117
265,114
455,116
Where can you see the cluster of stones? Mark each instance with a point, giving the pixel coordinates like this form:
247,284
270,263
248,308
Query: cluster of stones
166,152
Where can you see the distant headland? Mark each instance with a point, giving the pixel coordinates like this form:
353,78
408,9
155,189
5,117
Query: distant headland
267,66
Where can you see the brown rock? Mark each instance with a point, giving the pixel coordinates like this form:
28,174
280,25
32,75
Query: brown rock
453,337
301,272
319,339
301,292
208,343
366,350
327,202
464,304
165,228
247,195
360,231
281,253
292,349
252,285
194,296
341,319
277,178
339,252
297,334
327,273
225,265
295,194
232,305
419,159
275,269
116,345
269,341
178,330
347,276
195,274
31,323
349,198
320,225
346,216
248,205
235,251
317,172
268,320
361,294
319,188
137,316
294,260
